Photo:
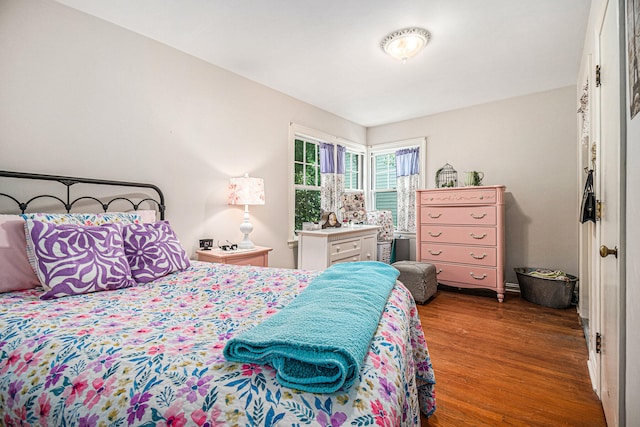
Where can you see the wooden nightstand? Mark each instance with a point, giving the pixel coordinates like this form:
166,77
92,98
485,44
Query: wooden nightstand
258,256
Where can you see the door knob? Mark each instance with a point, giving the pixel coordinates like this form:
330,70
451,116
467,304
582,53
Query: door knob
605,251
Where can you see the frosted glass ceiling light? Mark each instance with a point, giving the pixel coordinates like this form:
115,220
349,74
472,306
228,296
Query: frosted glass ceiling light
406,43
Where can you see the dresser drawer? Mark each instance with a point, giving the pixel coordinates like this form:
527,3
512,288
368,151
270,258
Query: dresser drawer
451,274
472,215
475,255
461,196
341,249
485,236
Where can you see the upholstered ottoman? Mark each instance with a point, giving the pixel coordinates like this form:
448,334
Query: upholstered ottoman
419,278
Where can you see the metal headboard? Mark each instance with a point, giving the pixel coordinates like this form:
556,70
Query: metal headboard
69,181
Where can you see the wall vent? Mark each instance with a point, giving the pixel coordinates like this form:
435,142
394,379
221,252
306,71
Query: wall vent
512,287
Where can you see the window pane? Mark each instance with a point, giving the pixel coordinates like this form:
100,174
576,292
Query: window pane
385,172
299,151
388,201
307,205
348,181
352,177
355,164
310,154
310,172
298,174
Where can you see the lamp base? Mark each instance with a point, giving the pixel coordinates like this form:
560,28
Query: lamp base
246,243
246,228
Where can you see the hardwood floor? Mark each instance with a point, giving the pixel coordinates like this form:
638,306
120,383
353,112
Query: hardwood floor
513,363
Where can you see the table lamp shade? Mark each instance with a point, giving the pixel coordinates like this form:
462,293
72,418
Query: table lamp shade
246,191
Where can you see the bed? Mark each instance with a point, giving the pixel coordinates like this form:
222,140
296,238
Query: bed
152,353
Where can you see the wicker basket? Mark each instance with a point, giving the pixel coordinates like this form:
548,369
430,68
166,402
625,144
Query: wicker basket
384,252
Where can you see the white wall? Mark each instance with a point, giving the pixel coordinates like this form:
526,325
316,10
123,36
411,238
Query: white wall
82,97
526,143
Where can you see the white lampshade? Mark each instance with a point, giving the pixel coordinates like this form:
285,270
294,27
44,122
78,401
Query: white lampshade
246,191
406,43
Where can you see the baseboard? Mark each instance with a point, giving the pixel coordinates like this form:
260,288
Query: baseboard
511,287
591,366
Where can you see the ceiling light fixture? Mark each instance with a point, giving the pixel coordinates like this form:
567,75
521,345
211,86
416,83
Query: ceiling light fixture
406,43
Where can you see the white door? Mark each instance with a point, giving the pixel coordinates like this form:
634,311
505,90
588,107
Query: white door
608,192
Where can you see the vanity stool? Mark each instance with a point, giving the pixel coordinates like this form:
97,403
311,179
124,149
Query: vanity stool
419,277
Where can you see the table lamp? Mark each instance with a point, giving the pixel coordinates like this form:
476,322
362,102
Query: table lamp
246,191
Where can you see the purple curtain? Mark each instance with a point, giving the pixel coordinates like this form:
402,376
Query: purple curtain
341,159
326,158
407,161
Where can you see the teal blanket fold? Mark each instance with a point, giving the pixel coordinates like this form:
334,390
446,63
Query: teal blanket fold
319,341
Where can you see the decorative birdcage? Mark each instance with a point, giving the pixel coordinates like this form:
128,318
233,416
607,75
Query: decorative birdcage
446,176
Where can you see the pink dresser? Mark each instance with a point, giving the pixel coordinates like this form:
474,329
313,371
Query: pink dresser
461,231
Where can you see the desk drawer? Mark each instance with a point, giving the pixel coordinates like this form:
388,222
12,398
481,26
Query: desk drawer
341,249
475,255
485,236
350,258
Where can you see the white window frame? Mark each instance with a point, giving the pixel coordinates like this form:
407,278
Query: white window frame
392,147
361,161
297,131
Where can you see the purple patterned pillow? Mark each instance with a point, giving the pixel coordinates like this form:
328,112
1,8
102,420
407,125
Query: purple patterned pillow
73,259
153,251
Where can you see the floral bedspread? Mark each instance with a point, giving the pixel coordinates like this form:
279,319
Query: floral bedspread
151,355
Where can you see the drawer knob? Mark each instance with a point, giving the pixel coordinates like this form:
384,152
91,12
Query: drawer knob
434,216
477,277
439,271
355,245
483,256
434,252
337,248
435,234
478,216
478,237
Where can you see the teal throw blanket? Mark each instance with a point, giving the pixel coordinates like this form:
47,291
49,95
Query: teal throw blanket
318,342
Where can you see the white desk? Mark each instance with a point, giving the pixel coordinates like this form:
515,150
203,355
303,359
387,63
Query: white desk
318,249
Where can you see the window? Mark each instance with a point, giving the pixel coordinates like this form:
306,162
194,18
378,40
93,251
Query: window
371,170
353,171
383,170
394,193
307,182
